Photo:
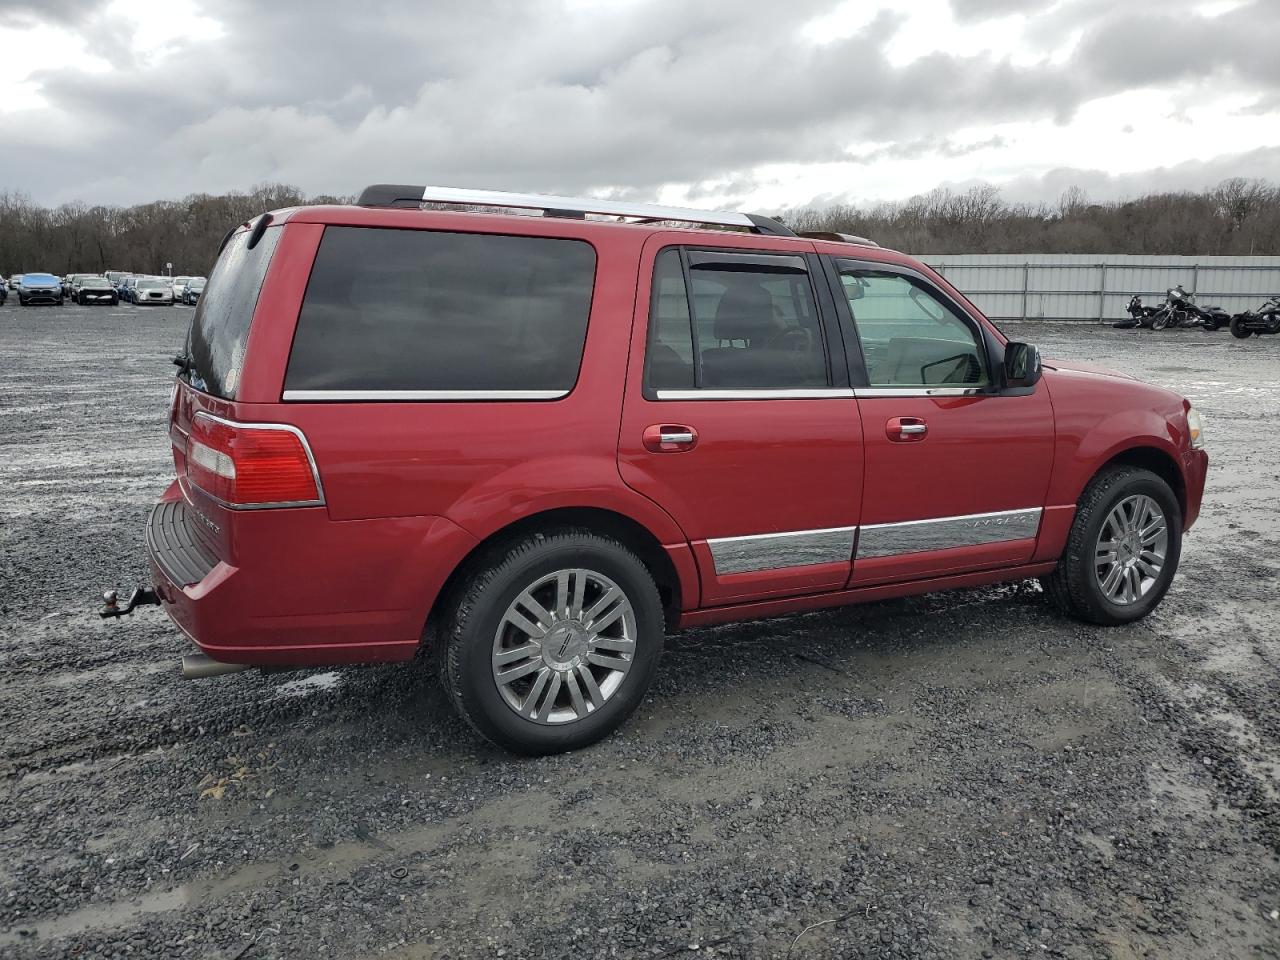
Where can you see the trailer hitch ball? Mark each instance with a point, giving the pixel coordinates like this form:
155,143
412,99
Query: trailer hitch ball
140,597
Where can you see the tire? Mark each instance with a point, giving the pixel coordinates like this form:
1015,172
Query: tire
1237,328
1075,587
1159,321
479,629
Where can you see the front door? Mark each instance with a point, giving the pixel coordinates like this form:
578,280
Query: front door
956,474
739,418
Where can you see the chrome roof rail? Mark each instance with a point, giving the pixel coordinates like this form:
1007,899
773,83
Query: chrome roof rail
400,195
837,237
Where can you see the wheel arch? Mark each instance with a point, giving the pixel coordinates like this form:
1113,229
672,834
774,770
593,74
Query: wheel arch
664,564
1158,461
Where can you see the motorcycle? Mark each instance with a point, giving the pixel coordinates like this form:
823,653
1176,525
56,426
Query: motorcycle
1250,323
1139,313
1183,311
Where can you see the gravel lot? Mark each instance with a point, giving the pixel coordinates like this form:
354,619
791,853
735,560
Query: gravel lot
958,775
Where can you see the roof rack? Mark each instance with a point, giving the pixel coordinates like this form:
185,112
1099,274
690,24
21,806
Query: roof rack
401,195
837,237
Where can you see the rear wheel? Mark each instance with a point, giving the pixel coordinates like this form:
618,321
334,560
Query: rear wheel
1237,328
553,641
1122,551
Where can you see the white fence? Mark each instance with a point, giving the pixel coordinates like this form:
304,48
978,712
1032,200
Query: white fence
1098,287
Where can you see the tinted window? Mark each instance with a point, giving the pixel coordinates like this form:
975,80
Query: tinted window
424,310
754,325
220,327
910,337
669,358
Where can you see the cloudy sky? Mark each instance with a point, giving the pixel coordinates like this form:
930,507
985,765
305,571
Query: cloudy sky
758,104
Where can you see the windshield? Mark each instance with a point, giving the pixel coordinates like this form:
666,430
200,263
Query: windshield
152,284
97,283
39,278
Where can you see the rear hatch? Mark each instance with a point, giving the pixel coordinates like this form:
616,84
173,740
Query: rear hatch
208,383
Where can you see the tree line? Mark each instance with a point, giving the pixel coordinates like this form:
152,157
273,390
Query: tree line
1238,216
83,238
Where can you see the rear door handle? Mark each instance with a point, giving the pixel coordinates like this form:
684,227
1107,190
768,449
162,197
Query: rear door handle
669,438
906,429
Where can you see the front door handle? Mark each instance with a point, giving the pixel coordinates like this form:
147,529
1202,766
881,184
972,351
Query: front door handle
669,438
906,429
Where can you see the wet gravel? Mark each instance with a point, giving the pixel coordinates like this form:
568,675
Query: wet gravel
957,775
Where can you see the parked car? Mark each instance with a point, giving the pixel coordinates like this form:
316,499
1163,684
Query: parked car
4,292
179,285
115,276
126,287
72,286
96,290
36,288
537,444
14,280
150,290
191,292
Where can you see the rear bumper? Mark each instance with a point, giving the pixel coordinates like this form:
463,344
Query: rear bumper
304,590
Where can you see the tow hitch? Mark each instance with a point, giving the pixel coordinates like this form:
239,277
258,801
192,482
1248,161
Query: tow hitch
141,597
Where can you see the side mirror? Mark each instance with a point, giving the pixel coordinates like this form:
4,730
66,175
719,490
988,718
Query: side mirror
855,288
1021,365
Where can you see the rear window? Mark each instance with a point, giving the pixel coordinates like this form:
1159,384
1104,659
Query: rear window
437,313
220,327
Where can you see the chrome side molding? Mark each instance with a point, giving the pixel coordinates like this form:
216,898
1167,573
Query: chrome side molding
771,551
915,536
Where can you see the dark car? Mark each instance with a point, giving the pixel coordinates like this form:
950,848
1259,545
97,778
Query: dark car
536,444
91,290
36,288
191,292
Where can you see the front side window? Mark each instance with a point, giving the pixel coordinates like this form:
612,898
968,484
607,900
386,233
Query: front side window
909,337
725,321
428,311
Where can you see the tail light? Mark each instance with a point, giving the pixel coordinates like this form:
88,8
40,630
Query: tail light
252,465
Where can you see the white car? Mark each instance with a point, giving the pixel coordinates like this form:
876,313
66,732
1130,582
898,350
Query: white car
179,288
153,290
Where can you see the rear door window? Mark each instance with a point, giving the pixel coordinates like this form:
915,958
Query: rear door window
733,321
220,327
418,314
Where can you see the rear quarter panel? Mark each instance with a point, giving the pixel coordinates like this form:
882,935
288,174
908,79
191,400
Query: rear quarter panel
480,465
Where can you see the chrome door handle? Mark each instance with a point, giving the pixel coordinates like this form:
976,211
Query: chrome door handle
906,429
669,438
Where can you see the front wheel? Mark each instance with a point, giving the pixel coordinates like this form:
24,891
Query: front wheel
1159,321
1237,328
1122,551
553,642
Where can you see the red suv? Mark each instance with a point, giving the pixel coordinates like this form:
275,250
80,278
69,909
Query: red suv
535,444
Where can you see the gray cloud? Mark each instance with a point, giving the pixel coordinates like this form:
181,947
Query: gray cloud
539,96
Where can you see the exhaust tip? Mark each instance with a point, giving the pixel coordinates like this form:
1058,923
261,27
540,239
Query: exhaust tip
197,666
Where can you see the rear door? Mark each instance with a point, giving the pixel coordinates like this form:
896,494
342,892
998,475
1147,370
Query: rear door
739,419
956,473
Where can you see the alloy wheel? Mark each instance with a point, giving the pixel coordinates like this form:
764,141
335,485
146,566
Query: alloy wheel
564,646
1131,549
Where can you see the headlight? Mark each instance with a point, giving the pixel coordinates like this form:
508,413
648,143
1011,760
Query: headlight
1195,426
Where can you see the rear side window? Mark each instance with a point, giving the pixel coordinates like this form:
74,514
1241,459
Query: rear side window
220,327
440,314
730,321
